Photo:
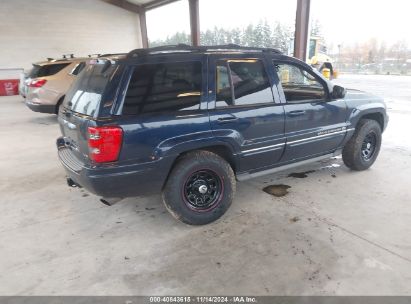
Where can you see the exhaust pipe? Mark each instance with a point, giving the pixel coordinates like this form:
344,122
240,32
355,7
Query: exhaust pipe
72,183
110,201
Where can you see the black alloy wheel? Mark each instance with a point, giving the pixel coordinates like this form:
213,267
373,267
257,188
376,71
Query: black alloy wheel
361,151
200,188
368,146
203,190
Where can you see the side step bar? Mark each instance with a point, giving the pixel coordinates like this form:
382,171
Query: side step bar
246,176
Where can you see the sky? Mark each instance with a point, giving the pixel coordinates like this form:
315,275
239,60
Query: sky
343,21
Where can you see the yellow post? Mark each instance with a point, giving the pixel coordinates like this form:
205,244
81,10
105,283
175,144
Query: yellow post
285,76
326,73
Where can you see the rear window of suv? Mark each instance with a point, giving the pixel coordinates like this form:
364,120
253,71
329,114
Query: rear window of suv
46,70
85,94
164,87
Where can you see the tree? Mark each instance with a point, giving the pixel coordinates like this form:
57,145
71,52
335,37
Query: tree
267,34
281,37
260,35
179,37
248,35
399,50
236,36
316,28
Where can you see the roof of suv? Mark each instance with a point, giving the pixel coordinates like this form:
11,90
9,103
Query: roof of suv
181,49
188,49
184,48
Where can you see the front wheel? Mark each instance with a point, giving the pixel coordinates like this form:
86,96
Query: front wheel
362,149
200,188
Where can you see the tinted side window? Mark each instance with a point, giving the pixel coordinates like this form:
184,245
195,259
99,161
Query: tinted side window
47,70
224,96
242,82
298,85
164,87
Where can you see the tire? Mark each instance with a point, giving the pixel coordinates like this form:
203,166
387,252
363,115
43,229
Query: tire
183,193
362,149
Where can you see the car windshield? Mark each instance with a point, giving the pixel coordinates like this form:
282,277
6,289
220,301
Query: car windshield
85,94
46,70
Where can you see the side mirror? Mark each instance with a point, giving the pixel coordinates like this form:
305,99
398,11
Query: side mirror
338,92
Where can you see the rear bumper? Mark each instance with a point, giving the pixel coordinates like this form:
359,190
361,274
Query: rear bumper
42,108
115,181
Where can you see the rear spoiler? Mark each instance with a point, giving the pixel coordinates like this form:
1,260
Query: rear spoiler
64,56
106,62
102,59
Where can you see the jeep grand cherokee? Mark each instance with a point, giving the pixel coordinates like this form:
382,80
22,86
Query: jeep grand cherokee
189,121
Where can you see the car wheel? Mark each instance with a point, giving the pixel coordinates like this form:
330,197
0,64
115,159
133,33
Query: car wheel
200,188
362,149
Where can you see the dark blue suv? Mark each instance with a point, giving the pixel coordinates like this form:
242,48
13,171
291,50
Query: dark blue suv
189,121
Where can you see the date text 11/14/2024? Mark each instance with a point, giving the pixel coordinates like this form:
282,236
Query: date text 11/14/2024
204,299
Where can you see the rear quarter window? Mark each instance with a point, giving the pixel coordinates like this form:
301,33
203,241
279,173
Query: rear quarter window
164,87
85,94
47,70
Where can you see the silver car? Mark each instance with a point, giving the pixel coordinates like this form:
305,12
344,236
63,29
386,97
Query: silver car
46,84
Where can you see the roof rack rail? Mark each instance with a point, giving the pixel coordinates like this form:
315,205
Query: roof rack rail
232,46
66,56
111,54
93,55
165,48
188,48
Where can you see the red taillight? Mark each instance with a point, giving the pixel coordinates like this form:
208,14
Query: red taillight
37,83
104,143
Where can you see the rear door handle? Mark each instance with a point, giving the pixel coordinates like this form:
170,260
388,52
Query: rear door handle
296,113
227,119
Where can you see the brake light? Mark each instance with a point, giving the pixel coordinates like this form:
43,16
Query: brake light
37,83
104,143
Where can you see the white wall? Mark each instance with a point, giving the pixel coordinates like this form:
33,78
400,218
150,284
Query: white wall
31,30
